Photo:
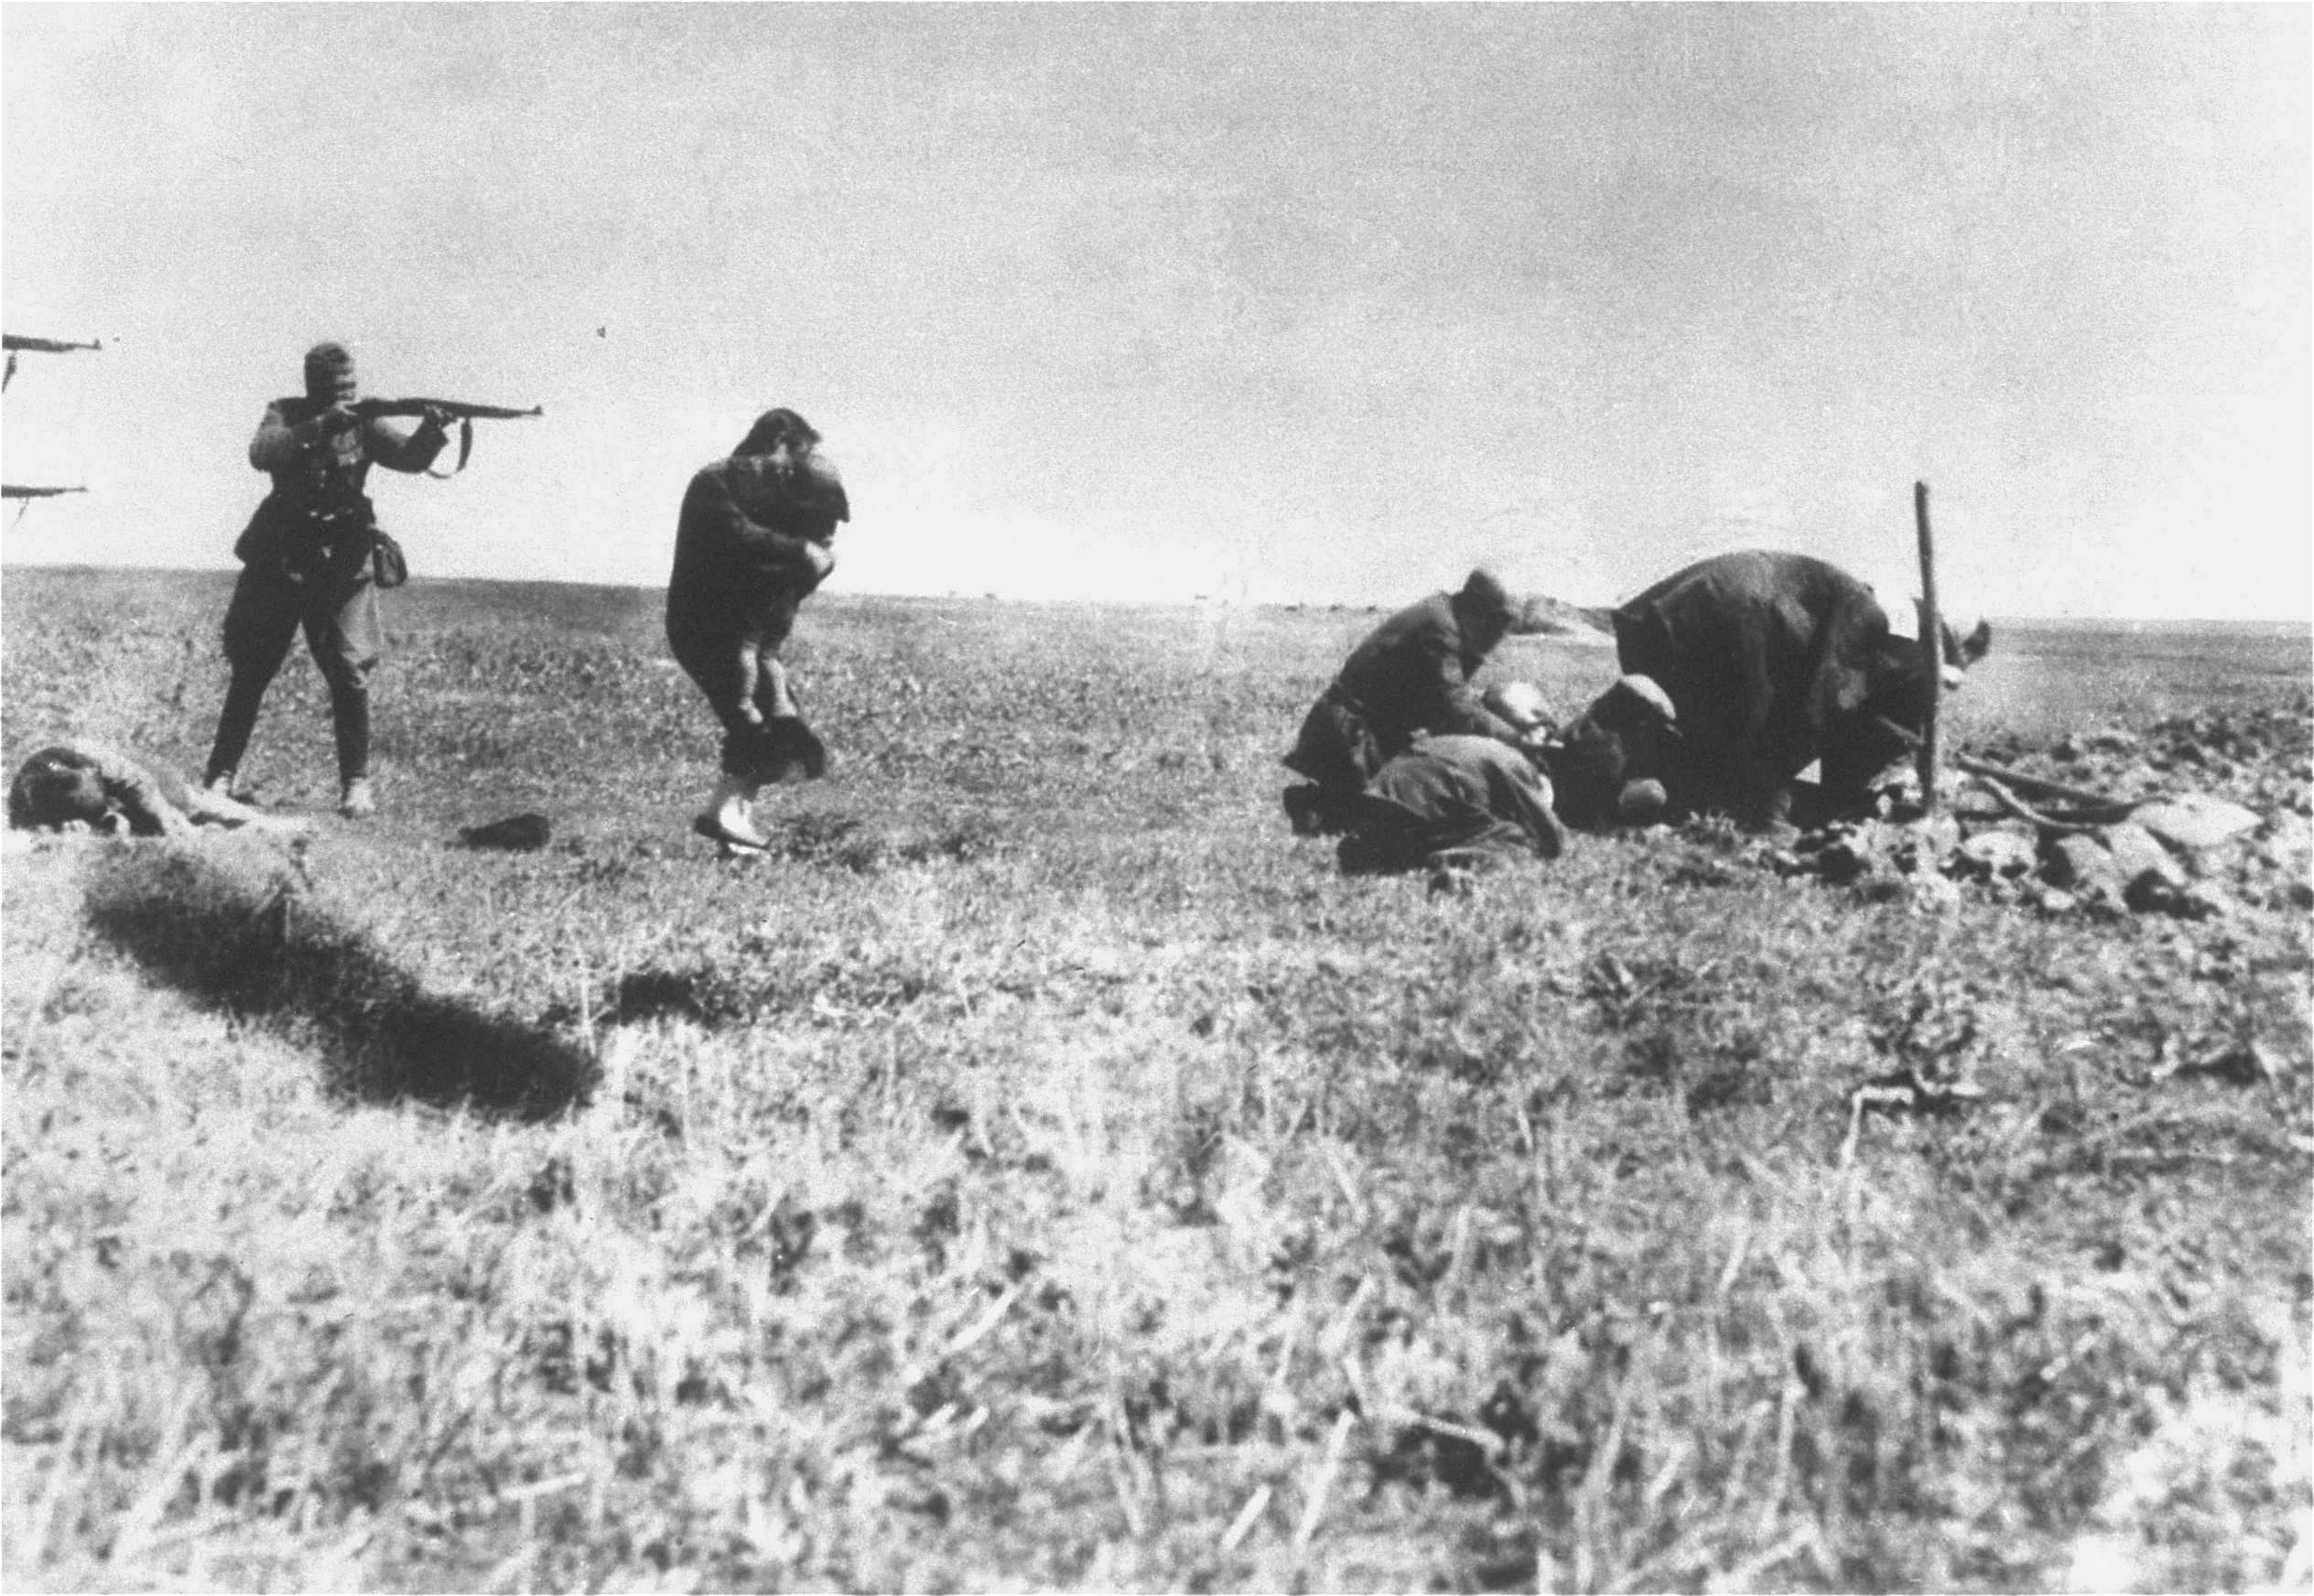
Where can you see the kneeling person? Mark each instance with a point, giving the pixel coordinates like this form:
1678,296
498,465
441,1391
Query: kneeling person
1470,796
1411,675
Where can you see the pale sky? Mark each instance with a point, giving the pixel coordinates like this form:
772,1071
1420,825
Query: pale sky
1275,303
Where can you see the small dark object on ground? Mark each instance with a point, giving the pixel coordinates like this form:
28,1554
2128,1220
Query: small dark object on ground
515,834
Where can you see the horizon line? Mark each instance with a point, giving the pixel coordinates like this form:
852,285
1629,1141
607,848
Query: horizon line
1219,601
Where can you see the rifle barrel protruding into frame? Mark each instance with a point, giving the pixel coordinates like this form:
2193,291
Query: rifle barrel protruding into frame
46,346
17,344
10,491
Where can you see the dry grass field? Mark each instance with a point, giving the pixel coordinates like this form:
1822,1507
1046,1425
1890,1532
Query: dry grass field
1050,1173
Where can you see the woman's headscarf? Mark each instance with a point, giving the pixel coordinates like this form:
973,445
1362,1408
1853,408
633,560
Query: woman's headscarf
774,427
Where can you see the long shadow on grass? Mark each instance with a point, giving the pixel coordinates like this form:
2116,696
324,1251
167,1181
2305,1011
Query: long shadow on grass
236,927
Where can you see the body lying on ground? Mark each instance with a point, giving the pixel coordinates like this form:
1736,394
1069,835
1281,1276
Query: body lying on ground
1451,800
1411,675
1776,662
79,783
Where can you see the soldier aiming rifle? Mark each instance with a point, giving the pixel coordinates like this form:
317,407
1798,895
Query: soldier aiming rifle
313,556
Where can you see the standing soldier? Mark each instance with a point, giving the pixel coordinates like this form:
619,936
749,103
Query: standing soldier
751,544
306,562
1412,674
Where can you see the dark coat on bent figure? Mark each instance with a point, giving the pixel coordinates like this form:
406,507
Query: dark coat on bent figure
1412,674
1456,794
1774,661
741,574
305,563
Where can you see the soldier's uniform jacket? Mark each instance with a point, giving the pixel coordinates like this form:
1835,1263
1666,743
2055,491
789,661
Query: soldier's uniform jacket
1412,674
318,525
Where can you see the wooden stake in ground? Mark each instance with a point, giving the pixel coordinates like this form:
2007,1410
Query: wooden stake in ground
1931,648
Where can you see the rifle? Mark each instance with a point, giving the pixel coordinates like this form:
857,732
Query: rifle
10,491
14,341
467,415
49,346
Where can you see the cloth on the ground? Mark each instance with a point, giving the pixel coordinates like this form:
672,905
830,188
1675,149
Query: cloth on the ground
1455,792
515,834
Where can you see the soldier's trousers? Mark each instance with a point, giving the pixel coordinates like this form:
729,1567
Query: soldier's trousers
339,620
1339,752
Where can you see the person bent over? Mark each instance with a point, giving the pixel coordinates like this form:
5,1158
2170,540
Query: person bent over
306,559
753,540
1454,800
1412,674
1611,764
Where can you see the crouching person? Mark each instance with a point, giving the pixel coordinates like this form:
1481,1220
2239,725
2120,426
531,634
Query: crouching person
1411,675
752,542
1457,800
87,785
1610,766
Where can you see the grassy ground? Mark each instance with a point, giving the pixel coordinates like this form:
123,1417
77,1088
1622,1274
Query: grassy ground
1048,1173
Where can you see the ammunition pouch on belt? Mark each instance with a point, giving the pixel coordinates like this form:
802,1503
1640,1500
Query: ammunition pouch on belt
389,568
317,544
